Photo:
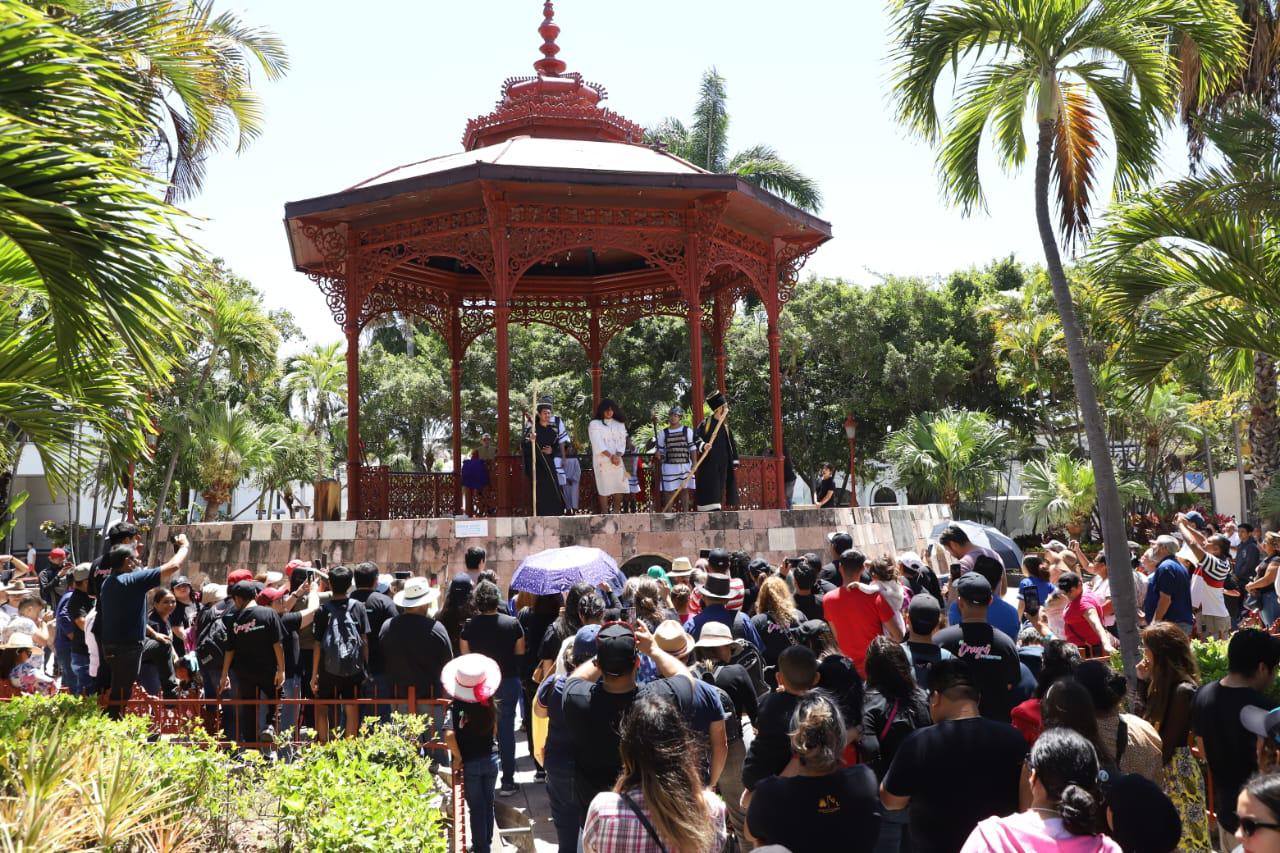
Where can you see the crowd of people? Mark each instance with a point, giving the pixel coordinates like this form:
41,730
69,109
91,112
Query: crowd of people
727,703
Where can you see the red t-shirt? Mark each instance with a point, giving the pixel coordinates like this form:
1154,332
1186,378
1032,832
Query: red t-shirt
857,618
1079,631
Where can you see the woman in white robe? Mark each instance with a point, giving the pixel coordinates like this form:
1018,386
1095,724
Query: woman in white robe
608,445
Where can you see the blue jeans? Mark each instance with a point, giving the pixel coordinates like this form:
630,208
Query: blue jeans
1268,605
83,682
894,831
564,807
291,689
508,697
69,678
478,778
211,675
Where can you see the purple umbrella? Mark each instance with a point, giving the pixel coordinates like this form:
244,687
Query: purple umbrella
557,569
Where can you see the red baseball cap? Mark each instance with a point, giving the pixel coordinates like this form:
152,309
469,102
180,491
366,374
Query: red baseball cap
295,564
57,554
270,594
239,575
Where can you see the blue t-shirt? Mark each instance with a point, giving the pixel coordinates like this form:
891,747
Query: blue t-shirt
1039,585
122,605
1170,577
1001,615
559,746
63,626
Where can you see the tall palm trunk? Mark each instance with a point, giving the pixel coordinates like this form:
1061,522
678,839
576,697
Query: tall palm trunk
1264,424
179,447
1114,537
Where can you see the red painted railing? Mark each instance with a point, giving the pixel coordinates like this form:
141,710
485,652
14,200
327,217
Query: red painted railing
391,494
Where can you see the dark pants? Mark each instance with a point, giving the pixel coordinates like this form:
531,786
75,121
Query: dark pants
160,655
508,697
254,685
212,674
121,662
478,776
564,807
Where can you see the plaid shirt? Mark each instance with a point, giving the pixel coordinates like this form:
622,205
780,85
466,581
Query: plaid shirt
612,827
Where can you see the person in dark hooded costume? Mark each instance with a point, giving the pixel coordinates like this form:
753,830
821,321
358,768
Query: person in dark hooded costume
715,478
541,443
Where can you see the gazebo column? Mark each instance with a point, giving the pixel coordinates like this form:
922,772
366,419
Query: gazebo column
695,362
775,378
501,315
351,325
455,376
717,342
595,353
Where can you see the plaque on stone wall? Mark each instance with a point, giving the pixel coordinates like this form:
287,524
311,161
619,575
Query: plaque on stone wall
470,528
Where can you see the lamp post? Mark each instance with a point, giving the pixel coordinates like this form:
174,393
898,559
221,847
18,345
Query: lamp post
851,433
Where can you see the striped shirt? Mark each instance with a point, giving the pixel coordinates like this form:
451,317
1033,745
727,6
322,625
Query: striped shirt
1215,570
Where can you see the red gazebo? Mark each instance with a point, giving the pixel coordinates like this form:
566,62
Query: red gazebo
556,212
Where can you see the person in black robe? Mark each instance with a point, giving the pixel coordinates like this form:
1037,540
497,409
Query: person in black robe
715,478
545,436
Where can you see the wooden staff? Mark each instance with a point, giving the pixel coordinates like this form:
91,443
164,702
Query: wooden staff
698,464
532,414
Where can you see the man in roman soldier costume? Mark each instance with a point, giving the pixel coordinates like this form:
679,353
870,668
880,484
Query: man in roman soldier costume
675,451
716,473
541,443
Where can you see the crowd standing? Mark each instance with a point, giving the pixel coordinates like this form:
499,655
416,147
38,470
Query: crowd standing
724,703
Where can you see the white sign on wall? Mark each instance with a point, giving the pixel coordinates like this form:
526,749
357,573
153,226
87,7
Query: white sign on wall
470,528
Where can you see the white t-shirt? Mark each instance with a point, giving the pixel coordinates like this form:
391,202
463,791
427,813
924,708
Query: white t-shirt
31,557
1206,597
1101,589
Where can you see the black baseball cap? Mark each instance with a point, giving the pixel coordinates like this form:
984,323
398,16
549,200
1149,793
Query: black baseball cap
840,541
924,613
973,588
758,567
244,589
616,649
718,559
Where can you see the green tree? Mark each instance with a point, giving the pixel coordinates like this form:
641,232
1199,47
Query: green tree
1061,492
952,454
195,69
229,446
705,144
316,382
1077,64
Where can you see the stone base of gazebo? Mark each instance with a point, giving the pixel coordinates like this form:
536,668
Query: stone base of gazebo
434,546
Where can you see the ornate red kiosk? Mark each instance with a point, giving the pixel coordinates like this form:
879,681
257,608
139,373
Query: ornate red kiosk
555,213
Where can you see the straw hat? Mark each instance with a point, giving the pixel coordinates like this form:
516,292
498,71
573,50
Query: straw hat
19,641
670,636
416,593
471,678
681,568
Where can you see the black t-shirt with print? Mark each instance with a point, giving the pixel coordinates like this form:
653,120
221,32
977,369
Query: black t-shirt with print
839,811
993,659
957,773
473,727
253,635
78,607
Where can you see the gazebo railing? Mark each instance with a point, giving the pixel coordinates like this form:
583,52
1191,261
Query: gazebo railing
395,494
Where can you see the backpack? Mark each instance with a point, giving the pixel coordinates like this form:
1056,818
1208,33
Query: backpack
340,646
749,659
211,635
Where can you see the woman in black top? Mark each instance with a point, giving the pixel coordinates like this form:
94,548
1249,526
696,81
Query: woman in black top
776,618
456,610
825,806
565,625
892,709
534,621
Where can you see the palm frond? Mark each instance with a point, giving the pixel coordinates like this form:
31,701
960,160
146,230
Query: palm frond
709,135
761,165
1076,152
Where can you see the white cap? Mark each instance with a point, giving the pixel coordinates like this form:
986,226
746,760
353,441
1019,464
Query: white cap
1261,722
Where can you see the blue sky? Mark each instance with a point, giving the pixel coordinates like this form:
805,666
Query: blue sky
385,82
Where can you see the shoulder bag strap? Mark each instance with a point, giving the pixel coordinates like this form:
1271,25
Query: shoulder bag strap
1122,739
644,820
893,715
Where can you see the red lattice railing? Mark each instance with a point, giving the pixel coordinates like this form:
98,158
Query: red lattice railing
390,494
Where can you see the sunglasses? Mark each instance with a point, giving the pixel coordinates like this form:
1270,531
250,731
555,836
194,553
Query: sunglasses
1249,826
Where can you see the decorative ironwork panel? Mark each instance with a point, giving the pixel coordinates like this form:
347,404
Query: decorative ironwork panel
620,312
791,259
331,242
392,294
540,231
568,314
414,495
757,481
741,252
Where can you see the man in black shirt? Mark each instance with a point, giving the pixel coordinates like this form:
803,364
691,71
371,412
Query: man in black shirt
923,615
500,637
839,542
415,646
1252,658
350,627
381,609
962,746
120,533
255,650
292,623
809,590
992,655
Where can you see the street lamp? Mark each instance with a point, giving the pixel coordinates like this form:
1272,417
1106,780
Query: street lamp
851,433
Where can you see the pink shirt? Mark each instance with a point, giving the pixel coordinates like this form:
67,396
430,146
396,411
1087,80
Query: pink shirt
1078,629
1027,832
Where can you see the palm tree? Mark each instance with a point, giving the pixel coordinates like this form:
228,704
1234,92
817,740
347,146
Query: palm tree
706,144
230,445
1075,64
195,69
1061,491
950,454
316,381
1190,270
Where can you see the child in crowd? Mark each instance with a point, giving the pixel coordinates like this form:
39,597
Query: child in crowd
1055,612
17,662
769,753
471,731
884,577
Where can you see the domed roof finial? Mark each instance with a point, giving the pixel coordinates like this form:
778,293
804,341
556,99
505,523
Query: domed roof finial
549,66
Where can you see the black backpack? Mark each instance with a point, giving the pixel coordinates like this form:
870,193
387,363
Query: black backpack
211,635
749,659
340,646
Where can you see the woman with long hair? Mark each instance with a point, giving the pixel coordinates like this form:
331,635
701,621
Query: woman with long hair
892,708
659,804
1132,740
608,434
565,625
1066,809
1059,661
1264,587
826,805
1068,705
1168,679
776,617
534,619
456,610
